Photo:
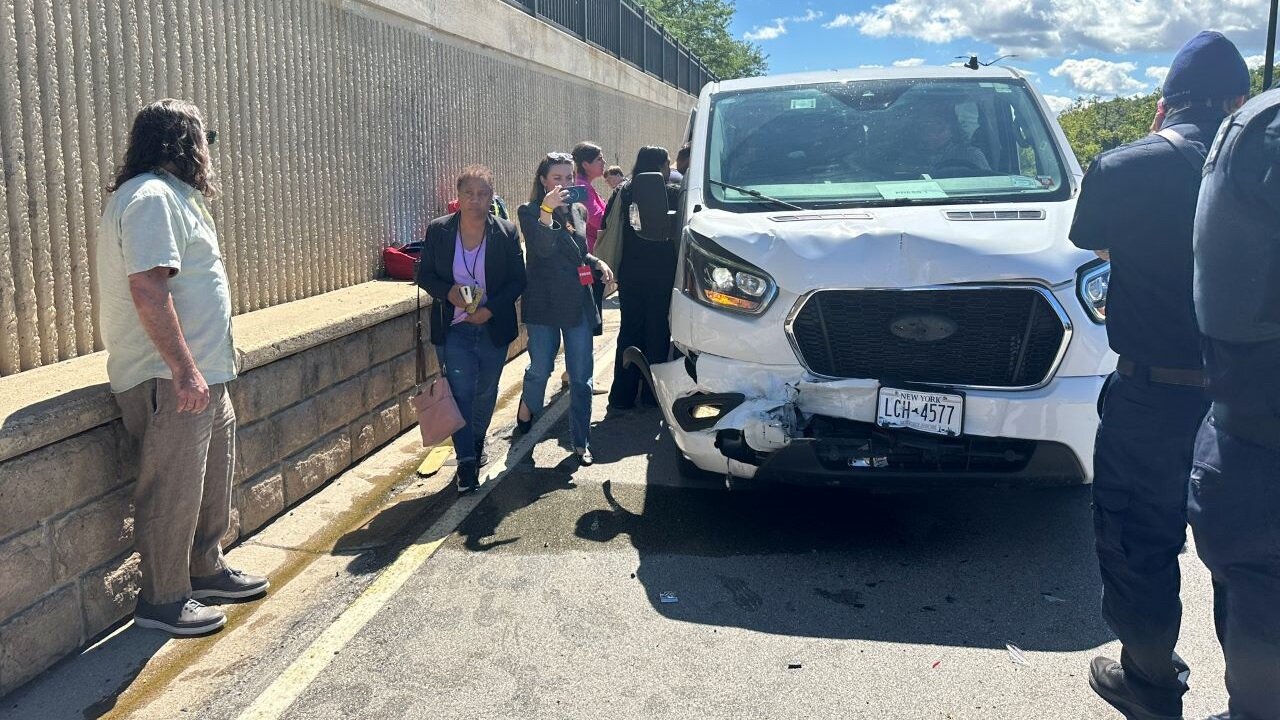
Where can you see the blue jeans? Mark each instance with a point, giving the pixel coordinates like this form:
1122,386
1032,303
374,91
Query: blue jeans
473,365
1234,507
544,342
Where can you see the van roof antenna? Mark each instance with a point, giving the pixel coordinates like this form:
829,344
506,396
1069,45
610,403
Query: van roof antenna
974,64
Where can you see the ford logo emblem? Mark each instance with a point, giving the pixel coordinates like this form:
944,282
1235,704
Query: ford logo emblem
923,328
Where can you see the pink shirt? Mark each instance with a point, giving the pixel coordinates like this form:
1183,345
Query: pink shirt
595,211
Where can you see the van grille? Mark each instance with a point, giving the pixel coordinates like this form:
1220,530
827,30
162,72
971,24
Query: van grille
997,337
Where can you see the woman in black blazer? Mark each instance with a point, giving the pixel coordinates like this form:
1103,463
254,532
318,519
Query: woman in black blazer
559,304
473,267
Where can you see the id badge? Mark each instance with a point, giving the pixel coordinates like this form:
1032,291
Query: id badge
584,275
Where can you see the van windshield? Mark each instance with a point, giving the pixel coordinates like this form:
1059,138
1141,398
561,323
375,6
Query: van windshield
882,142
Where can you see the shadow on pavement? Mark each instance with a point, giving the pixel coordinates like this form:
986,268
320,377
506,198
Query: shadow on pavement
966,567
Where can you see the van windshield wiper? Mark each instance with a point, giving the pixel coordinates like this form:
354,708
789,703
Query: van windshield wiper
757,195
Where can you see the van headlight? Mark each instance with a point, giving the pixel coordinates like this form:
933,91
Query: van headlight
1092,281
715,278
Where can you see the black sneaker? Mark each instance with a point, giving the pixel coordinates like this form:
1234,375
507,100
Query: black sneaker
584,456
228,585
1106,677
184,617
482,456
468,476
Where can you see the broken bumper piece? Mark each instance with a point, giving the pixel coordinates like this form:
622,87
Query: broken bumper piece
775,423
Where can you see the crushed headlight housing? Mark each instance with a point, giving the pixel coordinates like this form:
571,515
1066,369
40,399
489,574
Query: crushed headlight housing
714,277
1092,282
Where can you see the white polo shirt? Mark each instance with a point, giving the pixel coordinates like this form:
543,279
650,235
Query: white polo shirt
156,220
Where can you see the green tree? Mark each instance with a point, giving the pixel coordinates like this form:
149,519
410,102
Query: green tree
1093,125
703,27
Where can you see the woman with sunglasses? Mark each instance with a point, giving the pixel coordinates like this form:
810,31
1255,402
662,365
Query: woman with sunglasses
589,165
557,302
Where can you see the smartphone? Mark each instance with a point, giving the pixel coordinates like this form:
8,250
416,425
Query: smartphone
577,194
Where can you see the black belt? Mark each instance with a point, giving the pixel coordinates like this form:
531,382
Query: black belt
1164,376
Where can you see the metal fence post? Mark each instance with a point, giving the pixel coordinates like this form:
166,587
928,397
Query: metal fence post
618,46
644,39
584,18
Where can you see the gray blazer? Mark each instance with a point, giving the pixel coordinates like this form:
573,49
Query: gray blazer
554,296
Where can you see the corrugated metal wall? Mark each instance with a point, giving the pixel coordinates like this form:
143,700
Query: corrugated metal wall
340,131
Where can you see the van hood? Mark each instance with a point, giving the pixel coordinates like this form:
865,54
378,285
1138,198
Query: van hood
900,247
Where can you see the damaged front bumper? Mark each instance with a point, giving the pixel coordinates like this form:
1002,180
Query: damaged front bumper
778,423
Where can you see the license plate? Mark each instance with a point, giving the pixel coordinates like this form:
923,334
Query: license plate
936,413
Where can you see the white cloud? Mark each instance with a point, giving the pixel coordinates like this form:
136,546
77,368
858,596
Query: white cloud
909,62
1093,76
869,67
760,33
1039,28
1256,61
840,21
767,32
1157,74
1058,103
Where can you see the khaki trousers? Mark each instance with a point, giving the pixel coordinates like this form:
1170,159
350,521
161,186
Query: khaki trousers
182,502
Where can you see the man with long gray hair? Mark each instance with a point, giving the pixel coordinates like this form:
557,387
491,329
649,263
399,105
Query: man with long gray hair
165,309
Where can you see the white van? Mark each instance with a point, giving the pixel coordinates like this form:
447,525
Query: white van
876,286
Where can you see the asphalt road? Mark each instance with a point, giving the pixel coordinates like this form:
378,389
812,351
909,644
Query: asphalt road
547,602
544,598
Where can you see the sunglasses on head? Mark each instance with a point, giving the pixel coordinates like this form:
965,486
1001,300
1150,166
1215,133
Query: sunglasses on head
560,157
211,136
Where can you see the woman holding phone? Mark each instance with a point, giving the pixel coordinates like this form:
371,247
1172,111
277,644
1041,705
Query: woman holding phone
473,267
558,302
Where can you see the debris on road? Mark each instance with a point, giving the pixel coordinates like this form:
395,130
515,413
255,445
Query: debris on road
668,597
936,663
793,666
1052,599
1016,655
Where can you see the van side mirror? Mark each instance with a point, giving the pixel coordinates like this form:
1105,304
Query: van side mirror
649,201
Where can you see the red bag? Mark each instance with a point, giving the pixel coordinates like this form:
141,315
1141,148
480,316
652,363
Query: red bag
401,261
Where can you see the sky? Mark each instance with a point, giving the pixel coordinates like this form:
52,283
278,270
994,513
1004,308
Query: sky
1069,48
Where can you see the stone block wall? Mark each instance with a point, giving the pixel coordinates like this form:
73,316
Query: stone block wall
320,398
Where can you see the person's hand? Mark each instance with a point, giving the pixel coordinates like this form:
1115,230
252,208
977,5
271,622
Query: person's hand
1158,122
555,199
192,391
455,297
1104,254
479,317
606,272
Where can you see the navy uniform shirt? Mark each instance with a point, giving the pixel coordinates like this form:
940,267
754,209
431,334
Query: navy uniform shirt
1244,377
1139,202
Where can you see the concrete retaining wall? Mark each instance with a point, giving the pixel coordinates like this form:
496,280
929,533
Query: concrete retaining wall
319,396
341,127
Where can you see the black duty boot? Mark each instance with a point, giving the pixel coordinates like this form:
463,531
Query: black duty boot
1106,677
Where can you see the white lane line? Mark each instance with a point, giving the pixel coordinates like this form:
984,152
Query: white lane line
273,702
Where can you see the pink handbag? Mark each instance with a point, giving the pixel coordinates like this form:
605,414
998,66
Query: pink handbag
438,416
433,403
